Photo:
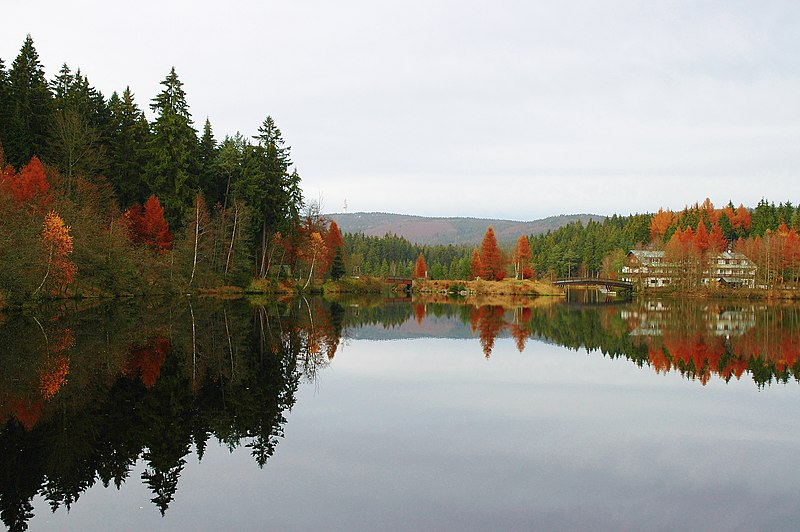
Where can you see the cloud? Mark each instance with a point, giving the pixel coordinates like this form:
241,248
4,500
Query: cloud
464,101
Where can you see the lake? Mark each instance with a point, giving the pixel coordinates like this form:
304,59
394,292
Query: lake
364,414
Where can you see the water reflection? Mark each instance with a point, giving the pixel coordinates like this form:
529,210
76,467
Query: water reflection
87,393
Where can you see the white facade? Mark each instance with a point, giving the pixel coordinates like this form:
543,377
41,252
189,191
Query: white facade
650,270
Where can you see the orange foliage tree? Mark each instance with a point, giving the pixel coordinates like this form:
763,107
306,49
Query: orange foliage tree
420,268
716,240
57,243
660,223
475,265
334,245
491,257
522,259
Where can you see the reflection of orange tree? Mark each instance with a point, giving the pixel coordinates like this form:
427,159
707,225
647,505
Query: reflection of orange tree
419,312
518,329
490,324
53,373
145,361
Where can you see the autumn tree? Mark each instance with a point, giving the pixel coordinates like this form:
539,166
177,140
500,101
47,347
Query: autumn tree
57,243
420,268
311,253
475,265
491,257
716,240
29,186
75,147
660,223
148,226
335,247
522,259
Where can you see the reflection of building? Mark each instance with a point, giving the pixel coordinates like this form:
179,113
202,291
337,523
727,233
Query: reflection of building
655,319
649,269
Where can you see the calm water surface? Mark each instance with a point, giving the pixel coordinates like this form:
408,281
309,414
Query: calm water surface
363,415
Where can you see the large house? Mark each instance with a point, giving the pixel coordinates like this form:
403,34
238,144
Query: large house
649,269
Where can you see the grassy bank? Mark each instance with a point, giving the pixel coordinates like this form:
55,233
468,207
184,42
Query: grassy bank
348,285
506,287
722,293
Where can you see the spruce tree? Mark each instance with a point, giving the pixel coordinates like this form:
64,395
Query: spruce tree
337,267
265,184
4,102
173,165
31,106
213,188
129,137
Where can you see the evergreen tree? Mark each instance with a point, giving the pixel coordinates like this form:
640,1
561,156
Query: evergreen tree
228,164
128,141
265,184
172,169
31,106
337,267
213,188
5,89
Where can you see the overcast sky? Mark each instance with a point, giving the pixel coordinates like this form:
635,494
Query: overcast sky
493,109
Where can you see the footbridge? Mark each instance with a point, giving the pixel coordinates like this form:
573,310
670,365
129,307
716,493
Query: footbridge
594,281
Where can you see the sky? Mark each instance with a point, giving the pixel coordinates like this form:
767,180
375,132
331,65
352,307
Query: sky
503,109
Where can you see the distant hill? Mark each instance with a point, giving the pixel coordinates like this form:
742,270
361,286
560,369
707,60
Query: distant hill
427,230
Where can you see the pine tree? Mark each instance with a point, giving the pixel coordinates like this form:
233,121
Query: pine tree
172,169
31,107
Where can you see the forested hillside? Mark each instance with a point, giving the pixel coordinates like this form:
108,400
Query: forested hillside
454,230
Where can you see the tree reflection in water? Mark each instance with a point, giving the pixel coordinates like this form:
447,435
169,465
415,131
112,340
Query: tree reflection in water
90,393
86,394
697,340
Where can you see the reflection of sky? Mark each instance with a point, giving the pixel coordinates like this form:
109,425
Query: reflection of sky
429,435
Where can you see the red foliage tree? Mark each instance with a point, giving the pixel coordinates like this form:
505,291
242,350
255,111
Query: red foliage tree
420,268
333,241
491,257
157,235
29,186
148,226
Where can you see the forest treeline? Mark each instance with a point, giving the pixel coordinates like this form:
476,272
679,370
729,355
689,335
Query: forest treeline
95,198
766,233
